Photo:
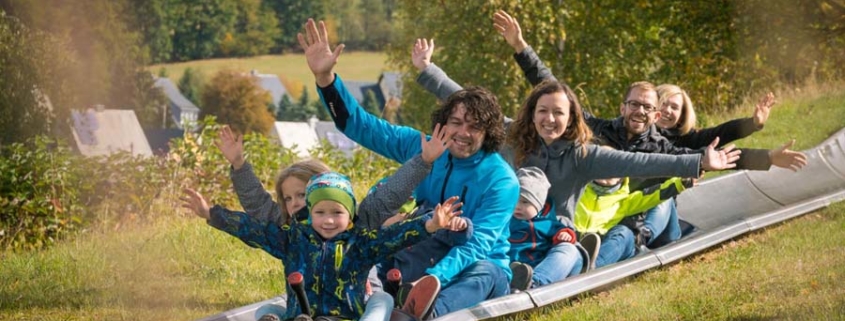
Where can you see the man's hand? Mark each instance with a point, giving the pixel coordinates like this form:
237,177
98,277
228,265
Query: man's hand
421,56
434,147
232,146
320,58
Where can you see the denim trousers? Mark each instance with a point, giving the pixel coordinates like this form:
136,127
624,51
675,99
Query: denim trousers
563,260
662,220
480,281
616,245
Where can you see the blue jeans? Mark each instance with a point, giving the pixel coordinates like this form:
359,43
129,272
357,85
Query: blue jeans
480,281
616,245
562,260
379,307
662,220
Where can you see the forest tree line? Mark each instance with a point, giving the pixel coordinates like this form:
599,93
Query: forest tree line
84,53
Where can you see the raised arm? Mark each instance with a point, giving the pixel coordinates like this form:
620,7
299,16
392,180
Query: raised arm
731,130
395,142
256,201
528,60
431,77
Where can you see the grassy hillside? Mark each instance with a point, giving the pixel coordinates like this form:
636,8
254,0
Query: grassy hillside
178,268
291,68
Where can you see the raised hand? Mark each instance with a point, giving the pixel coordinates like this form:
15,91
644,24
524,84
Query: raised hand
231,145
443,214
195,202
762,110
434,147
421,56
320,58
509,28
714,160
784,157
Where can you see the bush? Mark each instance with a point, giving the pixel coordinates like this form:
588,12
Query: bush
47,191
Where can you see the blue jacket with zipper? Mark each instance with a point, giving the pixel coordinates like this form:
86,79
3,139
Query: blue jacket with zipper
485,182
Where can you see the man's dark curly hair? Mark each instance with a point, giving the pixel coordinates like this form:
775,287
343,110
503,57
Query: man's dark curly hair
482,105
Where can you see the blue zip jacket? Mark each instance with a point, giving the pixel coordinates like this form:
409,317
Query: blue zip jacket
532,239
485,182
335,271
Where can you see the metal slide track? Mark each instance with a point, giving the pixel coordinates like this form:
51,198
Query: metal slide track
721,209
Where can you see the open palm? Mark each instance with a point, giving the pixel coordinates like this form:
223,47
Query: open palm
321,59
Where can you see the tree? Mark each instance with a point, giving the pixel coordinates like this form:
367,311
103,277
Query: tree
191,84
149,102
284,112
33,89
235,99
291,15
370,103
254,31
201,27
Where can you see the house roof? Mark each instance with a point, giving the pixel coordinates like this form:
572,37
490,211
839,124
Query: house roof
391,84
108,131
295,133
273,85
179,105
359,89
327,130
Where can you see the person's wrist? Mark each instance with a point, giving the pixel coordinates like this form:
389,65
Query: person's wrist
238,162
430,227
324,79
520,46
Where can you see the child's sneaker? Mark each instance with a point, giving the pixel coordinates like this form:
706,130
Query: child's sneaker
592,243
421,297
522,276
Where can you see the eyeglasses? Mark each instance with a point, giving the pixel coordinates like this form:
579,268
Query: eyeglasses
634,105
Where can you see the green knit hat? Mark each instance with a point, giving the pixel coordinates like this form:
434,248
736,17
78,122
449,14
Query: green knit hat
331,186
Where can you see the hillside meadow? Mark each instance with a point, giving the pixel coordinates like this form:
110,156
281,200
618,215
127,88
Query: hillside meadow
173,266
291,68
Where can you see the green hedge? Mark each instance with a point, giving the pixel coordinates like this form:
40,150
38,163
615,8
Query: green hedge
48,192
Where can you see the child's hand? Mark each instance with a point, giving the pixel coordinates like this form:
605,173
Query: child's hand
195,202
421,56
231,145
435,147
564,237
762,110
458,224
394,219
443,214
509,28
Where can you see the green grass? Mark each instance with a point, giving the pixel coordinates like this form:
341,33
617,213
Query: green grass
178,268
291,68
